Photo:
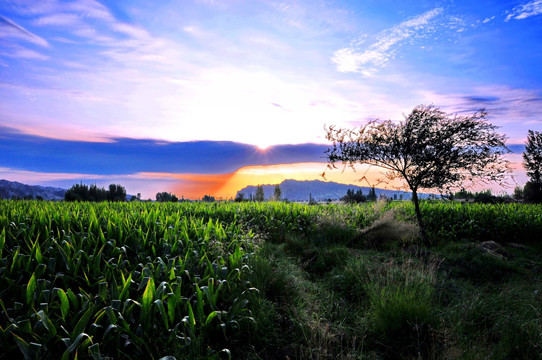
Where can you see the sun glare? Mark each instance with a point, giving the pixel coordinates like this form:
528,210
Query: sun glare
262,146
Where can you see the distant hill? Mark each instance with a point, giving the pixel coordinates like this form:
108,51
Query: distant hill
295,190
13,189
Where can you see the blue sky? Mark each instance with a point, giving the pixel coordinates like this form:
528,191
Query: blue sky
137,81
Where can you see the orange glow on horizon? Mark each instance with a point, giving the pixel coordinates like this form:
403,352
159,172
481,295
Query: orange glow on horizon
275,174
225,186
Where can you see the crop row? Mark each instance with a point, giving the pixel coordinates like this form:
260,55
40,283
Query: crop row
118,280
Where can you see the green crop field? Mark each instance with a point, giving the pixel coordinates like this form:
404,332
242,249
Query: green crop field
269,281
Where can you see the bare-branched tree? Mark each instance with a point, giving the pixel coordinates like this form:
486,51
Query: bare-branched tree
429,150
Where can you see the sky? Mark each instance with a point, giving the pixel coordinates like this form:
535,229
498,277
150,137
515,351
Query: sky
202,97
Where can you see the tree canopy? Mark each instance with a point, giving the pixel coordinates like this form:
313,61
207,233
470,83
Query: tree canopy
428,150
259,196
82,192
166,197
532,161
277,193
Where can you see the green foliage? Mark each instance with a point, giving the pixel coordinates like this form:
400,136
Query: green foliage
266,280
532,156
166,197
532,192
114,279
372,194
82,192
277,193
208,198
259,196
354,197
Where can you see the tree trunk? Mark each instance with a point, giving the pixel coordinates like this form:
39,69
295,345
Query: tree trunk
419,217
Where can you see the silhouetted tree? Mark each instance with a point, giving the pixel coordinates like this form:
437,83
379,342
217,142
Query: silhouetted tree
240,197
428,150
97,194
166,197
532,160
259,196
354,197
518,193
208,198
116,193
277,193
78,192
372,194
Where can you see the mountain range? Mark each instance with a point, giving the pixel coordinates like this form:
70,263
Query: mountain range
13,189
295,190
292,190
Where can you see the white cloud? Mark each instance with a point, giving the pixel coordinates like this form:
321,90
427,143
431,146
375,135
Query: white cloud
379,53
89,8
57,20
9,29
486,20
20,52
524,11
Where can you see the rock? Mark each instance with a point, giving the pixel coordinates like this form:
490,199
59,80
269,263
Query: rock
493,249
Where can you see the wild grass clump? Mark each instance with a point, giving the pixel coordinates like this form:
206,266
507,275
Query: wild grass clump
351,279
505,322
388,232
470,262
403,311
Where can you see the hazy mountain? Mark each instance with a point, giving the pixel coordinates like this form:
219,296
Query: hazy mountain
13,189
295,190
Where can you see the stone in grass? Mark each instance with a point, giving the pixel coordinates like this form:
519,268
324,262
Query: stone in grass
493,249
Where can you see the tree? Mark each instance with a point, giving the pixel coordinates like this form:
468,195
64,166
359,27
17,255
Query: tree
353,197
532,160
372,194
116,193
277,193
518,193
208,198
97,194
259,196
428,150
166,197
78,192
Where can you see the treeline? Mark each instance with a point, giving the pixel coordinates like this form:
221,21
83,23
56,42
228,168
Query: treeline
259,196
354,197
93,193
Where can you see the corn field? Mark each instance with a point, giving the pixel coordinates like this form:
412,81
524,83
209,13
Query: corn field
138,280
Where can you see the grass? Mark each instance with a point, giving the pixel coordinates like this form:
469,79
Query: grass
269,281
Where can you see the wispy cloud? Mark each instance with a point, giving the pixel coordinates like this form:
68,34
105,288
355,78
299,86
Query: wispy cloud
57,20
366,62
510,108
524,11
9,29
19,52
488,19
